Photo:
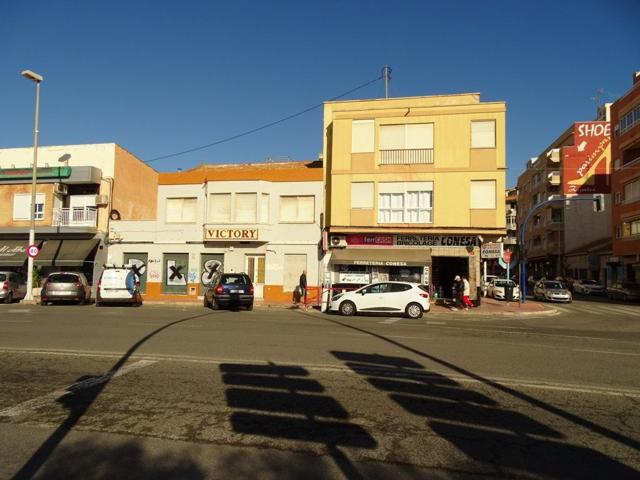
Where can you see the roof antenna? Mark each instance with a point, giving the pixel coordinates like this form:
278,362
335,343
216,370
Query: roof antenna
386,73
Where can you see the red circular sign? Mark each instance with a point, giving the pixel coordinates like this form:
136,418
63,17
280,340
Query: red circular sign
506,256
33,251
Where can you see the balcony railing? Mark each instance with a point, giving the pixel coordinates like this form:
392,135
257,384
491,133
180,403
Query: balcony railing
75,217
406,156
511,222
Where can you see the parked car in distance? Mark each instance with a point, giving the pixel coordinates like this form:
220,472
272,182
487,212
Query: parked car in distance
485,284
551,290
118,285
412,299
588,287
626,291
498,287
12,287
230,290
65,287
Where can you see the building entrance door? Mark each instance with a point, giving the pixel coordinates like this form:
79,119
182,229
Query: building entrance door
255,270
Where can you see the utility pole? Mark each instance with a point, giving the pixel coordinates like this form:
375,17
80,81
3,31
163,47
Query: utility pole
386,74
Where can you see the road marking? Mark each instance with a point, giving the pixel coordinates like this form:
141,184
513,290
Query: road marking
620,310
18,311
429,322
16,321
606,352
44,400
391,320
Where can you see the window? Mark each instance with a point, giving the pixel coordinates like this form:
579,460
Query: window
618,198
618,231
362,133
219,208
362,195
181,210
300,209
629,119
21,203
631,228
294,264
246,207
255,268
410,202
632,191
264,207
406,144
483,134
483,194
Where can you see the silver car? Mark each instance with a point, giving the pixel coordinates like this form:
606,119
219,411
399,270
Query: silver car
65,287
588,287
12,287
551,290
627,291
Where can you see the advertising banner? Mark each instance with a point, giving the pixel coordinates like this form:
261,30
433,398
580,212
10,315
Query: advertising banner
586,166
413,240
491,250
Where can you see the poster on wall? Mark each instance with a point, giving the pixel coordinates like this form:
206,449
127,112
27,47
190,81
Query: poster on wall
174,274
586,166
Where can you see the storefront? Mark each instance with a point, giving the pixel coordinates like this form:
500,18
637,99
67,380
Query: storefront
432,260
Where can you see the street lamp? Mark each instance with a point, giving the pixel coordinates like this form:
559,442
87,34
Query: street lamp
34,77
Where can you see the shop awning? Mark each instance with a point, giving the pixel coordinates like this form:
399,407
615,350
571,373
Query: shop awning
383,257
13,253
71,253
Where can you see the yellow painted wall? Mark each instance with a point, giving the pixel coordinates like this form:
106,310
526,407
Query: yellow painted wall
6,200
135,189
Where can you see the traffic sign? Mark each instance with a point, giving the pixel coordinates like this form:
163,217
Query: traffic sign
506,256
33,251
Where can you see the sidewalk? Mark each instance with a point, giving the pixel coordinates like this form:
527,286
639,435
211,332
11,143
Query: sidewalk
491,306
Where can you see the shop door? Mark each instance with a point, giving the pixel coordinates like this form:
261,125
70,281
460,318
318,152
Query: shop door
211,265
175,271
139,261
255,270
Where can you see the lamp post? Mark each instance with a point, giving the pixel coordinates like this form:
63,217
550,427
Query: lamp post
34,77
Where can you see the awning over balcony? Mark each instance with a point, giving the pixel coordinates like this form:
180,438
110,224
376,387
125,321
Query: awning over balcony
71,253
13,253
382,257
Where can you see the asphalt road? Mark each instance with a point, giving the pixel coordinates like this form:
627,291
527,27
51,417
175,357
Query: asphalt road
188,393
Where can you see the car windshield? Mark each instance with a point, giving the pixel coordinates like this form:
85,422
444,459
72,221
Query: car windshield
63,278
504,283
235,279
3,277
550,285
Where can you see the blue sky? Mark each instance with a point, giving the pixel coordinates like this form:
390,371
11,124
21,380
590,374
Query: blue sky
162,77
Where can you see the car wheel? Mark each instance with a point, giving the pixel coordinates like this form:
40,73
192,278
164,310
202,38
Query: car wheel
413,310
250,307
9,298
347,309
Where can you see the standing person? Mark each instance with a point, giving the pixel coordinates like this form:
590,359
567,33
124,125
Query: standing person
466,291
302,283
457,292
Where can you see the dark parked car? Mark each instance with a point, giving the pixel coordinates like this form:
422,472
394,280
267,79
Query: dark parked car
12,287
230,290
65,287
624,290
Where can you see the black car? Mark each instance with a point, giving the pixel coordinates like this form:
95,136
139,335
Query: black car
230,290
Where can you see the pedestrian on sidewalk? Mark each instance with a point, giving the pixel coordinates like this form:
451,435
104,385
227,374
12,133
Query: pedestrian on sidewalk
302,283
466,291
457,291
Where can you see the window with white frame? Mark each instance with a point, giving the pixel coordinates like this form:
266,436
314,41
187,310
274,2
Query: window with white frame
483,194
483,134
264,207
297,209
632,191
631,228
405,202
362,136
181,210
219,208
245,207
362,195
21,203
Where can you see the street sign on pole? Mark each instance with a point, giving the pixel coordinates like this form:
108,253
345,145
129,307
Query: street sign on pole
491,250
33,250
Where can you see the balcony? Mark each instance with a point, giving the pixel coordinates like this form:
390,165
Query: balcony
75,217
554,178
511,222
406,156
554,155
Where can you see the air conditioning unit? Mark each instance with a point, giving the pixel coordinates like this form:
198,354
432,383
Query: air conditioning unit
102,200
60,189
338,241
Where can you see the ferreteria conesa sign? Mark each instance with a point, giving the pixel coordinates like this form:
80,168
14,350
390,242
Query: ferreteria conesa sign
230,234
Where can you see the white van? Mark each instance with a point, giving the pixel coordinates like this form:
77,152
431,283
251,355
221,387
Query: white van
118,285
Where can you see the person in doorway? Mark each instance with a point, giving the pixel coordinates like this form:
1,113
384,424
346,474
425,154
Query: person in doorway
466,291
302,283
457,291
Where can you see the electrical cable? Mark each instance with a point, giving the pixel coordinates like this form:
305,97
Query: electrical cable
263,127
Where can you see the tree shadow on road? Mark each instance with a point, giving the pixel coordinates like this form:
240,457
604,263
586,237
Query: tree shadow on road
507,441
278,401
78,401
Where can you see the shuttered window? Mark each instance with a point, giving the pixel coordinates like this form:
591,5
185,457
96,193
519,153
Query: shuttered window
362,134
406,137
245,207
181,210
264,207
483,134
219,208
298,209
21,202
483,194
362,195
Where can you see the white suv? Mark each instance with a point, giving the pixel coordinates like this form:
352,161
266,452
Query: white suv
384,297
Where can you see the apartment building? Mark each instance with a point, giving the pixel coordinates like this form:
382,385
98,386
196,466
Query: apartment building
624,264
80,190
261,219
413,186
511,209
564,238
